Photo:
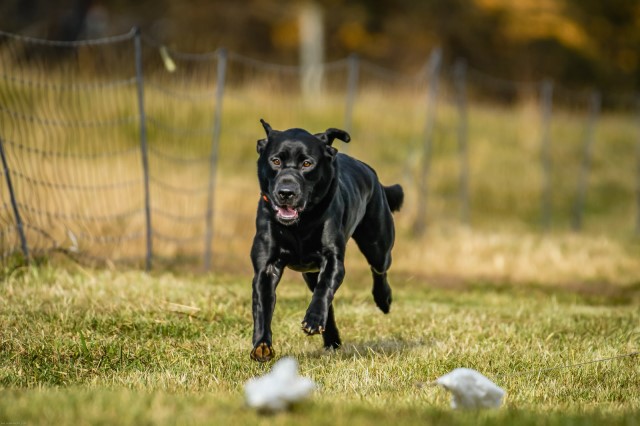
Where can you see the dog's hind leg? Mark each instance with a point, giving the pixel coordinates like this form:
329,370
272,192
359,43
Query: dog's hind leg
374,236
330,336
381,290
380,260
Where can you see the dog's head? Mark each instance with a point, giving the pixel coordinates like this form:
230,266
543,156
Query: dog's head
296,169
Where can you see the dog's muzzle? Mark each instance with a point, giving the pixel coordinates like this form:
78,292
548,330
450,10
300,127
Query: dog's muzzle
287,195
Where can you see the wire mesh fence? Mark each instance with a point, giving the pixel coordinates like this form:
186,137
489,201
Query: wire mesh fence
122,151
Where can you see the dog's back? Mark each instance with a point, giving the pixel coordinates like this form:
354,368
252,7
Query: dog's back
393,193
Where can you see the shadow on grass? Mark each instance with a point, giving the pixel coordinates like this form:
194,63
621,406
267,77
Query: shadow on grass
370,349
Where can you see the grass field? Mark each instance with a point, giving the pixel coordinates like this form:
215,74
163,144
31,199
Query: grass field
85,346
115,346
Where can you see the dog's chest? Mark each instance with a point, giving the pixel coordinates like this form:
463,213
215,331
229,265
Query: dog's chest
302,254
309,267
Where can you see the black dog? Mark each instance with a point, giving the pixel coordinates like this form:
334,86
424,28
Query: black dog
313,201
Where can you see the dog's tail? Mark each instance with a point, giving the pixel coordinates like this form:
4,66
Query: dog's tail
395,196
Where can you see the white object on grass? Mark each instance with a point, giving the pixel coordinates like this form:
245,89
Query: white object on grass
470,389
278,389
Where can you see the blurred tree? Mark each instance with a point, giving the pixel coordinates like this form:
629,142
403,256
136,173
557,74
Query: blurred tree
614,42
576,42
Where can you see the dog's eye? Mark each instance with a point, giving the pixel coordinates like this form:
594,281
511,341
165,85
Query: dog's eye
276,161
306,164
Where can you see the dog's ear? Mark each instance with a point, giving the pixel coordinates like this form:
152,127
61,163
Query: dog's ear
266,126
262,143
331,134
331,151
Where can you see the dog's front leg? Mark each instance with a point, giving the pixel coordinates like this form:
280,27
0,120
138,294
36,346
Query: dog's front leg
330,278
265,280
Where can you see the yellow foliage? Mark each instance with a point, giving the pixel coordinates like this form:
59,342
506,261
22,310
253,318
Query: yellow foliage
353,35
535,19
285,34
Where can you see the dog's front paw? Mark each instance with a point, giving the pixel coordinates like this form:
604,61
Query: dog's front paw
263,352
314,323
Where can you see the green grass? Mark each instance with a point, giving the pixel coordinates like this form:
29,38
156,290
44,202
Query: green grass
82,346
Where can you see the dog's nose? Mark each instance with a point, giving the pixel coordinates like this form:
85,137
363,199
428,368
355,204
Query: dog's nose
285,194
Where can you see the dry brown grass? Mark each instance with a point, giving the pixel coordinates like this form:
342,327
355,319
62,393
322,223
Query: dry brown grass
502,242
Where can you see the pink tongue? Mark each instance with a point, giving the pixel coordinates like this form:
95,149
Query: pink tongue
287,212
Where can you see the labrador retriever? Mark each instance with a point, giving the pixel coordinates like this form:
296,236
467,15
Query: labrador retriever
313,199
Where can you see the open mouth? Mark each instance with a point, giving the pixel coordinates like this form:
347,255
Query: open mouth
287,214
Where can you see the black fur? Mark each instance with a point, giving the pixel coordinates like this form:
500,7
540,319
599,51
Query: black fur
313,200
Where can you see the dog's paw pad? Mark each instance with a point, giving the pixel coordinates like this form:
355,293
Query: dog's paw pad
262,353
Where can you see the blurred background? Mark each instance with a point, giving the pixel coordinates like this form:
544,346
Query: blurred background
514,127
579,43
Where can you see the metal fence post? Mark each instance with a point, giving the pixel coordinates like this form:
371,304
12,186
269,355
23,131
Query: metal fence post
546,101
460,77
221,55
433,77
352,87
14,204
143,146
638,167
578,211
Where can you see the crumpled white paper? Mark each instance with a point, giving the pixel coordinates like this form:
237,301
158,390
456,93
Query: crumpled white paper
470,389
278,389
